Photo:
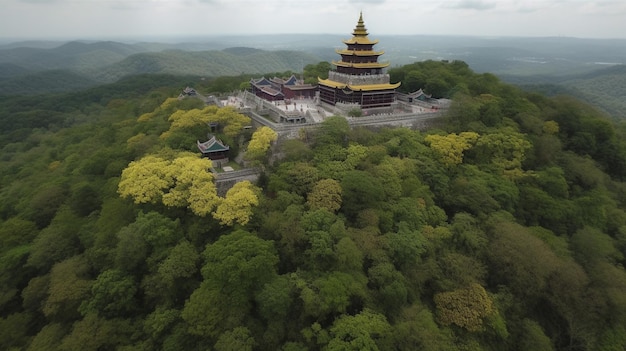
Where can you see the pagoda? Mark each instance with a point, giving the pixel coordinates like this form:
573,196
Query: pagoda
359,79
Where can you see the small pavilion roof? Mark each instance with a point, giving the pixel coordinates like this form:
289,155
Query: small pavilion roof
212,145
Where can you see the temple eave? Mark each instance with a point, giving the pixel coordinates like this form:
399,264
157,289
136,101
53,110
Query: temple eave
360,40
359,53
361,65
354,87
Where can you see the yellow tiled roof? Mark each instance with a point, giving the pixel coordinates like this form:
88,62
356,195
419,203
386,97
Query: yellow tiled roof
366,87
361,65
360,40
359,52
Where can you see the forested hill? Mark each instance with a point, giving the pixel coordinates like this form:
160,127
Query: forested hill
76,65
604,88
504,229
206,63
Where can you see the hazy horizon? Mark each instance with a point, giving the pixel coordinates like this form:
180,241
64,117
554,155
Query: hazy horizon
169,19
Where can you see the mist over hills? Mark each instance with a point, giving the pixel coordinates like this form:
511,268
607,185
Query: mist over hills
588,68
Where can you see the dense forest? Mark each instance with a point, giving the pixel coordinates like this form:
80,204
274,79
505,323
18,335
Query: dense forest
502,229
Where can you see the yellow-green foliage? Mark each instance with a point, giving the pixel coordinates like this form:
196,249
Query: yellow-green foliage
184,181
504,150
232,121
451,147
467,307
236,207
166,107
326,194
228,118
260,142
551,127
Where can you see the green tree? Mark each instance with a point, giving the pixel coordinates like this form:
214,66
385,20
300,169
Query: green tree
69,286
326,194
236,265
360,190
367,330
467,307
334,130
112,295
238,339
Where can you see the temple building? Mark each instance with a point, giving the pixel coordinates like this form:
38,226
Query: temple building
214,149
282,89
359,79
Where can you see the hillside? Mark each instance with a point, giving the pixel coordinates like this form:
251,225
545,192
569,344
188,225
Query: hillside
205,63
602,87
502,230
76,56
93,64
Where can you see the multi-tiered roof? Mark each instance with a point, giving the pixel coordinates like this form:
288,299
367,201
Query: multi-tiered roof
358,71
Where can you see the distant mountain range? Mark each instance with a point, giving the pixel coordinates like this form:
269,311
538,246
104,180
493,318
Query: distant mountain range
77,65
589,68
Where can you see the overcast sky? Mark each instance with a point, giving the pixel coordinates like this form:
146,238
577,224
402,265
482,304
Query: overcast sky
114,19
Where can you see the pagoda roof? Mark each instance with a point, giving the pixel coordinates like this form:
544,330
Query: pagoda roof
360,40
359,52
355,87
212,145
361,64
359,34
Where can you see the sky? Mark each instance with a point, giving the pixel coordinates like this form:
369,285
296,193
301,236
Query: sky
117,19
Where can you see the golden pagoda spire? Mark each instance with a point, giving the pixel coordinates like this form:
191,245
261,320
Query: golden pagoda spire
360,27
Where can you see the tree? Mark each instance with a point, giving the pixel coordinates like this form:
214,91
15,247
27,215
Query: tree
237,206
366,331
228,118
238,339
504,150
360,190
56,242
261,141
48,338
112,295
184,181
451,147
334,130
326,193
93,333
236,265
467,307
69,286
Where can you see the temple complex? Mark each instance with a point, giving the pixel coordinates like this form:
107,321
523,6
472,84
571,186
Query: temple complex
359,79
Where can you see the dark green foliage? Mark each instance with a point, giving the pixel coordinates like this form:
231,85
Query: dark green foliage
531,225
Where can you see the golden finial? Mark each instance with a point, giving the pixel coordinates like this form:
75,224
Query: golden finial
360,26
